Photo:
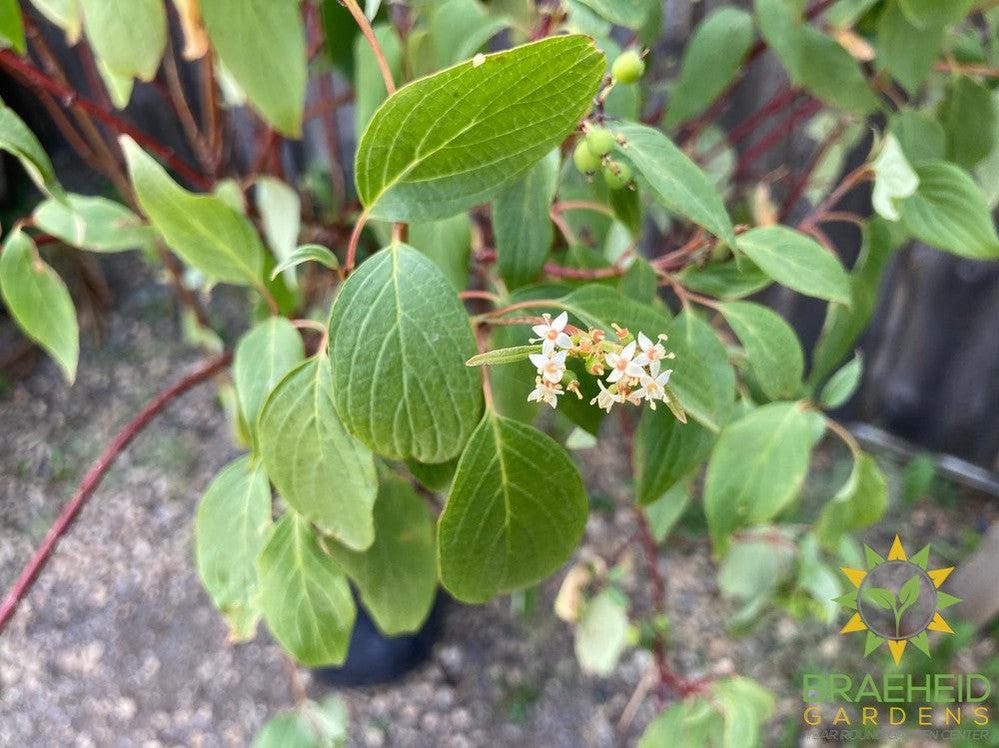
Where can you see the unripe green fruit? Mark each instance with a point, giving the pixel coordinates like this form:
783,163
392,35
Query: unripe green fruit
628,67
600,141
584,159
617,175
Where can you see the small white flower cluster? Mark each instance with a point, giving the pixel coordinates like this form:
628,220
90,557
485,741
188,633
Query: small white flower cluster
635,367
635,374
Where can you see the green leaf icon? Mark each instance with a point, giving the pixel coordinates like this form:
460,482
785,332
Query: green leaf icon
880,597
908,595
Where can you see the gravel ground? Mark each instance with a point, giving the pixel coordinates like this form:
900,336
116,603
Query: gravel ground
118,645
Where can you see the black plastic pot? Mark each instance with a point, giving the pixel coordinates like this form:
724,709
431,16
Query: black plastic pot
376,658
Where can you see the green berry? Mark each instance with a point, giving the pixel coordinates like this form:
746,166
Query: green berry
584,159
600,141
617,175
628,67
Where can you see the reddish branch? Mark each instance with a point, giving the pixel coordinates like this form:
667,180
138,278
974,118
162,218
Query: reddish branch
93,478
38,80
779,133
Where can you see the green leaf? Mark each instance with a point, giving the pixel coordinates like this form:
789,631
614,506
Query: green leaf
522,226
323,473
515,513
307,253
263,357
601,633
908,593
842,384
448,243
11,26
948,211
205,232
756,468
665,452
859,503
725,280
399,340
231,526
504,355
369,86
879,597
966,113
745,706
772,348
20,142
628,13
687,723
844,324
128,36
93,223
459,29
280,217
921,137
933,12
814,60
711,59
65,14
894,179
434,476
304,597
397,575
39,301
796,261
452,140
666,511
262,44
673,179
288,730
906,50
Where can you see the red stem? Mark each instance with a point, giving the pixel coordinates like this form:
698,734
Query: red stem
70,98
803,112
93,479
801,183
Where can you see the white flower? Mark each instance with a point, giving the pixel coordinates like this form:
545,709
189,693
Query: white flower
653,352
550,365
551,333
625,363
653,388
544,392
606,399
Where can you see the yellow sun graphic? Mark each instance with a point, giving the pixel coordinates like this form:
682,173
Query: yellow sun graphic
897,600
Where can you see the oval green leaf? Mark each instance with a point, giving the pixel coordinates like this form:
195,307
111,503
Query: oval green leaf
208,234
263,356
772,348
323,473
399,340
232,524
397,575
39,301
673,179
262,44
93,223
948,211
304,597
516,511
454,139
756,468
796,261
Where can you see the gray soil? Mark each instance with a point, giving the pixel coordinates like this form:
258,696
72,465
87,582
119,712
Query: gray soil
117,644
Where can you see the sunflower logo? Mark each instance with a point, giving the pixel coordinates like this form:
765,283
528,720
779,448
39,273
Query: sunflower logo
897,600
